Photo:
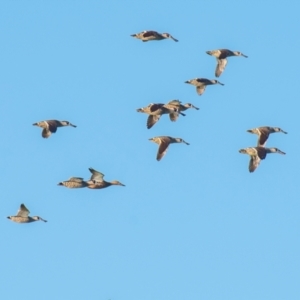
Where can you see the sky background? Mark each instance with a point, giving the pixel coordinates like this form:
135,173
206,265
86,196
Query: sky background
197,224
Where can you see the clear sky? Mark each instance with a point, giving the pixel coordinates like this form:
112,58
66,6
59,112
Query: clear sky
197,224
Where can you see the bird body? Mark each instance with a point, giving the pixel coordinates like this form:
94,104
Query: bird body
221,56
74,182
151,35
23,216
180,107
50,126
257,154
97,182
201,84
164,142
264,132
155,111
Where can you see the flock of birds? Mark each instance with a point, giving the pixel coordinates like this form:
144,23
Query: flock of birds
173,108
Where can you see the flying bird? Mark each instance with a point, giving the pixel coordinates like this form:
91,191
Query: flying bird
156,110
257,154
221,56
22,216
180,107
97,182
201,84
150,35
163,144
264,132
50,126
73,183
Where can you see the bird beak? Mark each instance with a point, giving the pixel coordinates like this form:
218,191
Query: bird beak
173,39
250,130
220,83
133,35
34,124
283,131
185,142
73,125
187,81
208,52
43,220
281,152
242,151
244,55
195,107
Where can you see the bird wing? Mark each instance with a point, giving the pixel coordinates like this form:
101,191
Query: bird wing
76,179
150,33
254,163
261,152
264,135
200,89
46,133
162,149
23,211
174,116
155,106
96,175
52,126
221,64
152,119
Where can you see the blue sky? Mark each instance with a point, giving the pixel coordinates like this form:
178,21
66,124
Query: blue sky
197,224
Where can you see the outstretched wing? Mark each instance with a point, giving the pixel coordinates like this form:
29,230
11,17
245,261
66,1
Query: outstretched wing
200,89
76,179
264,135
221,64
174,116
152,119
162,149
254,163
96,175
23,211
46,133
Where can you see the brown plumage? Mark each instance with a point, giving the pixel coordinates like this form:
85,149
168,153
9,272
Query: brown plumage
201,84
221,56
97,181
164,142
50,126
73,183
180,107
155,111
151,35
264,132
257,154
22,216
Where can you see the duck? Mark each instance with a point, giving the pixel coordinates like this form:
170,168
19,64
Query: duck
22,216
180,107
221,56
156,110
201,84
263,133
97,182
50,126
257,154
151,35
73,183
164,142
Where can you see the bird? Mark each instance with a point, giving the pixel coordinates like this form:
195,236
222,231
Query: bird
164,142
73,183
22,216
257,154
264,132
156,110
221,56
201,84
96,181
151,35
50,126
181,107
